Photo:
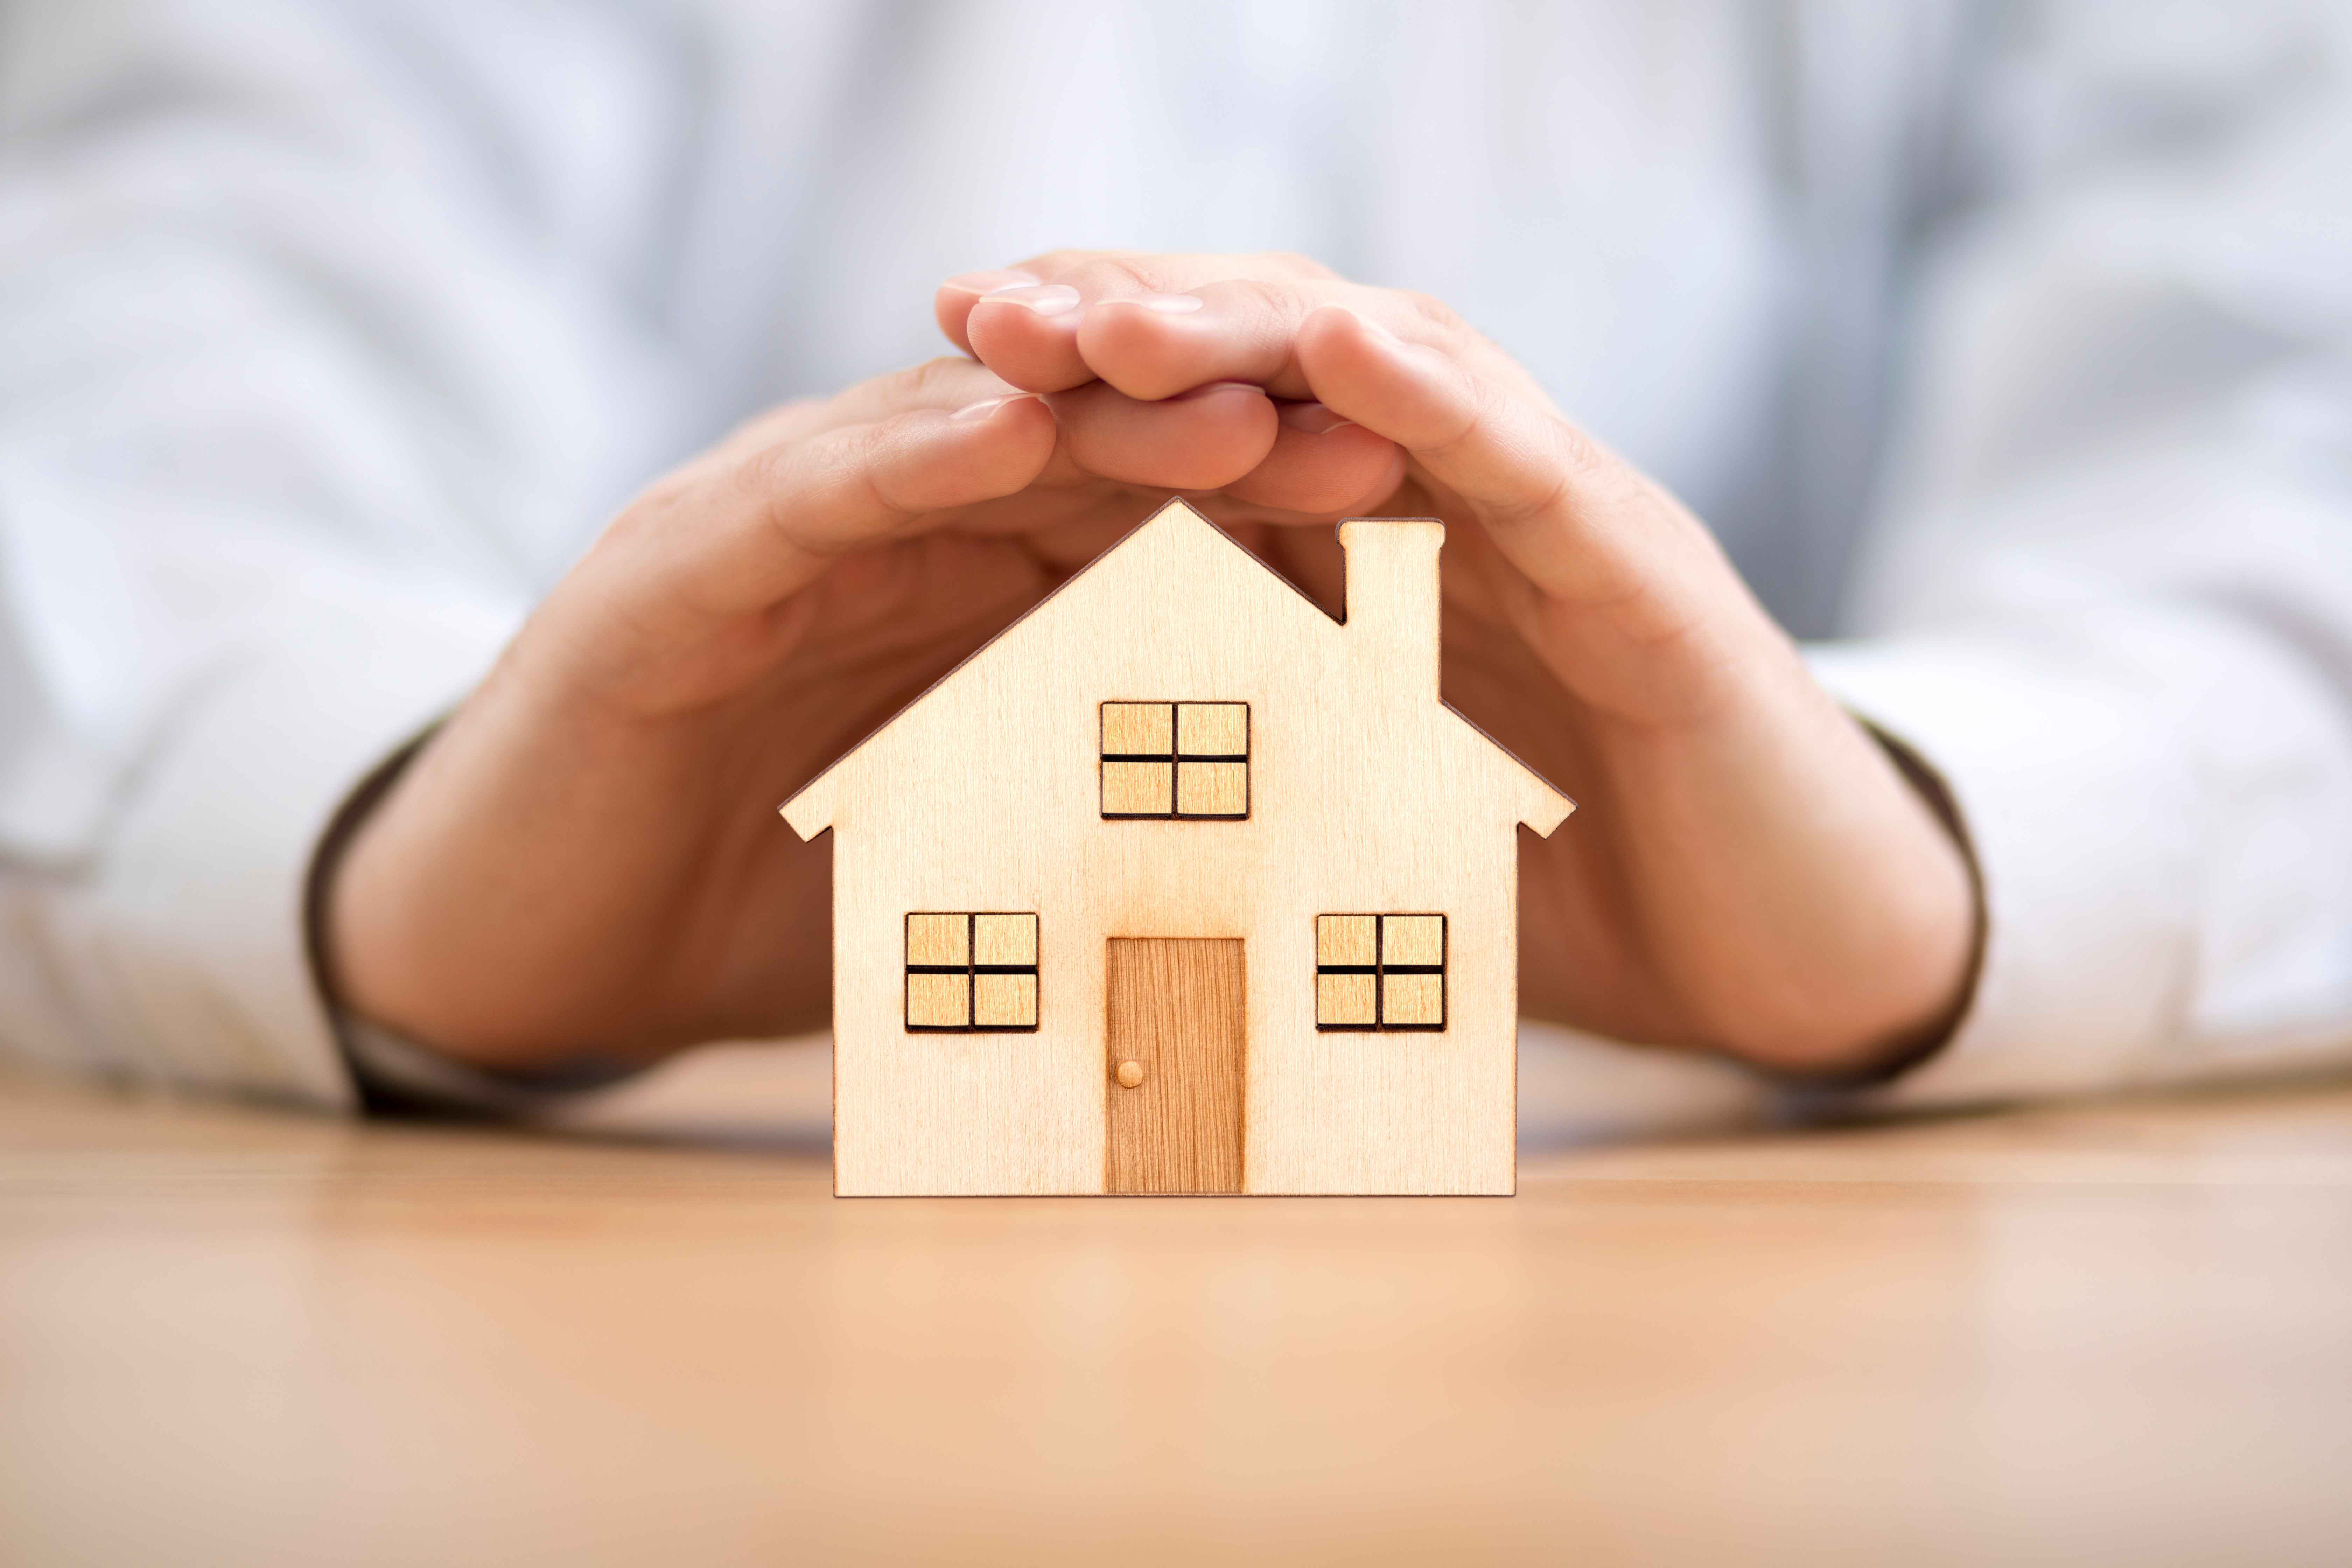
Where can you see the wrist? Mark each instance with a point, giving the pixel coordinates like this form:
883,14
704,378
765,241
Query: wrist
553,879
447,906
1813,913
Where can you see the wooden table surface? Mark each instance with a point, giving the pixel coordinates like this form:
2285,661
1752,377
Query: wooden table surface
2113,1333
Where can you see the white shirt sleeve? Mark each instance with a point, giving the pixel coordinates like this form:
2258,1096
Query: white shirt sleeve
2111,600
320,354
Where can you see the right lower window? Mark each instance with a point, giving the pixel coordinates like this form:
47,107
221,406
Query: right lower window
1379,972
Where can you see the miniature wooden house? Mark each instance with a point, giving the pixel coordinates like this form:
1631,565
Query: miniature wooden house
1180,885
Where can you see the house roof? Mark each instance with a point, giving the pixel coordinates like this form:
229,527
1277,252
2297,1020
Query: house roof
1180,540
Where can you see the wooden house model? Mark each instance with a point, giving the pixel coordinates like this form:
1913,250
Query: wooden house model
1180,885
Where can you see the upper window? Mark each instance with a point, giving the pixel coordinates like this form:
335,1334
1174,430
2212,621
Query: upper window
971,973
1379,972
1183,760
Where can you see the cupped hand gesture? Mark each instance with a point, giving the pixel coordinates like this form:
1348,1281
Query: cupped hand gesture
587,859
1750,872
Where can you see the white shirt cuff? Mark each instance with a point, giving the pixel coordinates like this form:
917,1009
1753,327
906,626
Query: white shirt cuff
202,938
2082,811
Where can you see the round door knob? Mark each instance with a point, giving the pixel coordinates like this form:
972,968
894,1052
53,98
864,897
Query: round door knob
1130,1074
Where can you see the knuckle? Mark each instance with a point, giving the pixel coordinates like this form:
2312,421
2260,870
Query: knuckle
930,384
767,477
1263,295
1298,264
858,489
810,492
1577,451
1124,274
1537,472
1595,470
864,453
1435,317
1577,474
780,416
1549,494
1460,422
1054,263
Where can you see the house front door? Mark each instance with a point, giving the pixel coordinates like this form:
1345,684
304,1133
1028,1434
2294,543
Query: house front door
1178,1028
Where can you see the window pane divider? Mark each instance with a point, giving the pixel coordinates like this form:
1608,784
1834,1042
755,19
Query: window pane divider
1174,759
1380,969
972,969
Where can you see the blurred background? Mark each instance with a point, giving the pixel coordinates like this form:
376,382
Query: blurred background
340,314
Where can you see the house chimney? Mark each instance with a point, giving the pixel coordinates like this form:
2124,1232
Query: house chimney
1391,594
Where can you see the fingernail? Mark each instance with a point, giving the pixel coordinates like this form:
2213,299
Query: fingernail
1215,387
1313,418
982,410
1045,299
1165,304
1374,328
990,282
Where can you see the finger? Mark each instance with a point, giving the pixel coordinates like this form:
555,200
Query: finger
762,527
953,302
1321,468
945,382
1156,345
1204,440
1303,463
1169,270
1240,330
956,297
1545,492
1029,333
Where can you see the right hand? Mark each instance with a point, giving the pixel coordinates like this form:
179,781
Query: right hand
1754,876
586,859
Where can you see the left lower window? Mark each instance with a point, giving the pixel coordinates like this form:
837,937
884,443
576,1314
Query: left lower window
971,973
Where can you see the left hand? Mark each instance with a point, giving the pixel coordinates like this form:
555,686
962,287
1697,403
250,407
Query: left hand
1750,873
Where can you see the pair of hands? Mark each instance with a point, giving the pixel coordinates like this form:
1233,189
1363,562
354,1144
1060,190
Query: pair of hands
587,859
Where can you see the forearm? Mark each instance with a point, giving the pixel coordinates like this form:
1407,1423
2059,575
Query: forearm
1800,899
554,880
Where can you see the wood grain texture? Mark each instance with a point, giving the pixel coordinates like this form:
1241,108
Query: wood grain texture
1178,1010
1412,1001
2100,1334
1004,938
939,1001
1148,727
1348,939
1412,939
1213,789
1004,1001
1346,1001
938,938
1212,729
1139,789
1365,794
